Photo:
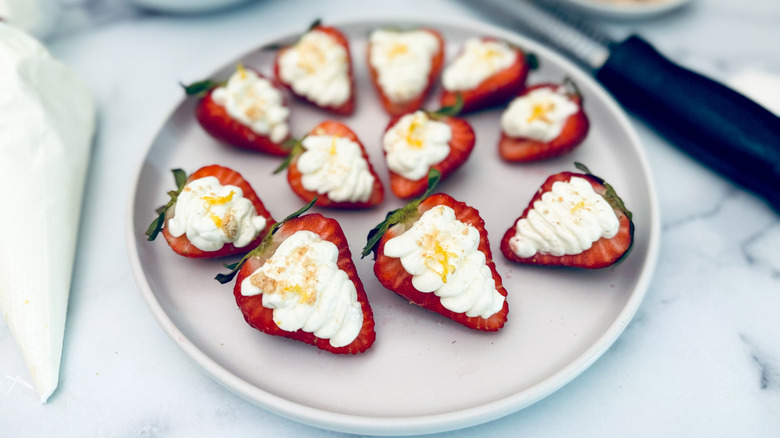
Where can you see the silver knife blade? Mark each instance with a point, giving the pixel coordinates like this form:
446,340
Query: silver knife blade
577,39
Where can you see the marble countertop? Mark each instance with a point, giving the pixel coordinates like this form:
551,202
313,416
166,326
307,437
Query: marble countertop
700,358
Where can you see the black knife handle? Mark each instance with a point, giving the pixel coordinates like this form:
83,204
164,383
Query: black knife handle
712,123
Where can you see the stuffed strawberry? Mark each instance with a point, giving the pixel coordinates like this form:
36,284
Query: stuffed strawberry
545,121
331,163
301,283
573,220
488,72
318,69
403,66
248,111
416,142
213,213
435,253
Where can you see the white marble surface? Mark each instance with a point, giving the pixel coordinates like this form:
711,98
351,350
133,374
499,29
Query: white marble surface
701,358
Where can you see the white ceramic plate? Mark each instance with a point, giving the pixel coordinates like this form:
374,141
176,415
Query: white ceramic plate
424,373
626,9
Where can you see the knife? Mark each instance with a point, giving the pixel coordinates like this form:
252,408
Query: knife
712,123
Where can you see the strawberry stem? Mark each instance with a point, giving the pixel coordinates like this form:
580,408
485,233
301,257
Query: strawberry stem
399,215
295,147
235,267
314,24
157,224
449,111
282,44
610,194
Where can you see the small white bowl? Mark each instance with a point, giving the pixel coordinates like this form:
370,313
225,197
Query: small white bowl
626,9
187,6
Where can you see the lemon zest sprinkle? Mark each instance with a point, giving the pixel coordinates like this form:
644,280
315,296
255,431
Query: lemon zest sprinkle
397,49
440,258
540,112
412,138
578,206
241,71
211,201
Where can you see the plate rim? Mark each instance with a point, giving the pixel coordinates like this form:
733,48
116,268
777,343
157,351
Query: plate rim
422,424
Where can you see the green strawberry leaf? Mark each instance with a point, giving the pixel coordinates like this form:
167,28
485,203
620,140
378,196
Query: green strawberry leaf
399,215
157,224
199,89
532,60
316,23
235,267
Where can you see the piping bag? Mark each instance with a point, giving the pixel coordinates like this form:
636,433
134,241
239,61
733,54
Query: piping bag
47,121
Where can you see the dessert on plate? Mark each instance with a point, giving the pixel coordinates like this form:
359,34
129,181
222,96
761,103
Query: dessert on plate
574,219
213,212
318,69
546,120
331,163
435,253
248,111
404,64
416,142
300,283
488,72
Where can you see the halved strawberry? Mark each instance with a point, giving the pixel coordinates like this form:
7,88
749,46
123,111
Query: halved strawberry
495,90
181,244
315,75
557,239
572,133
474,297
404,60
339,182
349,310
461,144
217,121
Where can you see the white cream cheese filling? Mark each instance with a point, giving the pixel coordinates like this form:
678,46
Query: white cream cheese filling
539,115
212,215
415,143
307,291
403,61
442,255
479,60
255,102
317,67
335,166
